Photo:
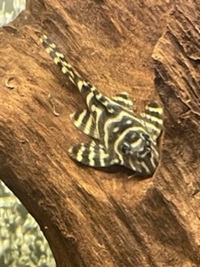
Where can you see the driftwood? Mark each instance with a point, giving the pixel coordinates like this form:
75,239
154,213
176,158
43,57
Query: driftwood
91,217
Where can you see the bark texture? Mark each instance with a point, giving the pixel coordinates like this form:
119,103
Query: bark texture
90,217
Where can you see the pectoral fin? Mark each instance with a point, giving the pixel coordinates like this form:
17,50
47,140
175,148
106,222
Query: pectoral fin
153,119
90,154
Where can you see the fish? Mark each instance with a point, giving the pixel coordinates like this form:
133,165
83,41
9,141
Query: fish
118,135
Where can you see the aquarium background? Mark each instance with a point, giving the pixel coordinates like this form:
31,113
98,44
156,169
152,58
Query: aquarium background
22,244
10,9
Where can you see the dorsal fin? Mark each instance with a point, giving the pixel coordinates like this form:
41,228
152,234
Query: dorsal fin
124,100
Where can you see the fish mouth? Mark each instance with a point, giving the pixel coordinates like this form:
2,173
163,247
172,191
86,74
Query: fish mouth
145,166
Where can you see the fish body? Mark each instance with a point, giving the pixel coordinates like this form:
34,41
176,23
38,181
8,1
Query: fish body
118,135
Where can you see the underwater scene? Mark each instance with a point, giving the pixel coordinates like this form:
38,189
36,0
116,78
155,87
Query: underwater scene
22,244
10,9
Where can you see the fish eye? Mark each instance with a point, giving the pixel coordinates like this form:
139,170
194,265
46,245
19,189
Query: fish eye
145,136
134,136
125,148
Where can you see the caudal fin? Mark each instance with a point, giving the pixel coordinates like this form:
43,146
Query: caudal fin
60,60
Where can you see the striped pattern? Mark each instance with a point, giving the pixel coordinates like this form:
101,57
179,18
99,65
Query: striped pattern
92,154
84,121
153,119
120,136
124,100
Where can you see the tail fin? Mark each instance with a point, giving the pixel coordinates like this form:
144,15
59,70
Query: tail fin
60,60
89,92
